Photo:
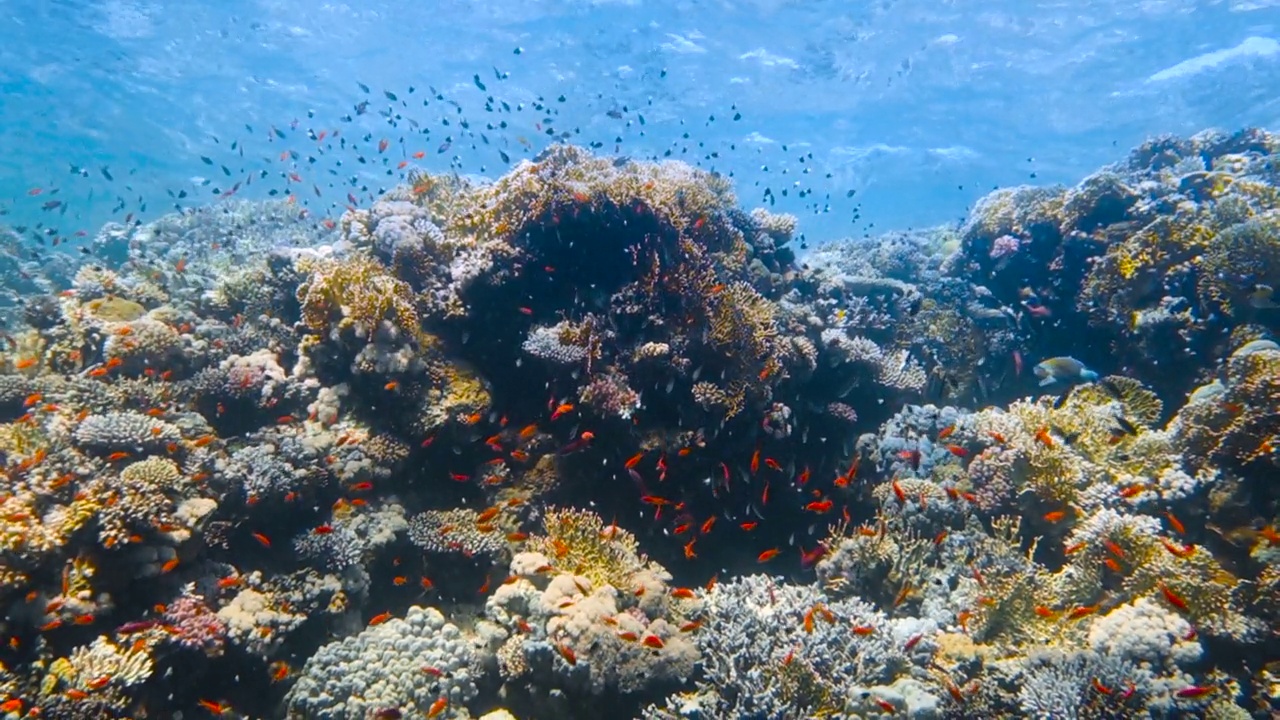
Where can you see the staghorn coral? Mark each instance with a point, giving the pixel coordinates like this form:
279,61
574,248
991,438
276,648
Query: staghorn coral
779,650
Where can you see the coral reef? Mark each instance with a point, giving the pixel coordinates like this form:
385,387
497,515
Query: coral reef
590,440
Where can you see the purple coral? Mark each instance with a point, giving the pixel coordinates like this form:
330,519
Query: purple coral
195,625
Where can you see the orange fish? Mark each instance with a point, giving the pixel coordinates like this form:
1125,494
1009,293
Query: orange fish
749,525
772,464
1083,610
768,555
561,410
1043,436
1175,523
957,451
116,456
755,460
1177,550
684,593
181,265
946,432
653,641
899,493
419,155
213,706
1173,598
437,707
380,618
568,654
1054,516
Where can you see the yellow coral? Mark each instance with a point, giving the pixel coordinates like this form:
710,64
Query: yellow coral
579,542
1240,257
357,292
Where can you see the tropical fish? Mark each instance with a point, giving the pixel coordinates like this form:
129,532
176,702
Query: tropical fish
1063,369
1261,297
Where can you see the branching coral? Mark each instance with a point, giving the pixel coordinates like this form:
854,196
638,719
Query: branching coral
579,541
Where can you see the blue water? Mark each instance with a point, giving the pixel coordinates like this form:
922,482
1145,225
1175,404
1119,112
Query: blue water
919,107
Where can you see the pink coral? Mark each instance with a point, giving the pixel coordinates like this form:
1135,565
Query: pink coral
195,625
1005,245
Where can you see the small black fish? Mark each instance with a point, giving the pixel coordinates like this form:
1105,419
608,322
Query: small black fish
615,113
205,160
362,108
390,95
1067,437
476,79
1126,426
1111,388
363,87
279,133
106,173
504,156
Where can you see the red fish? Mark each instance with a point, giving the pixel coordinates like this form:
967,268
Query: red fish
819,506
